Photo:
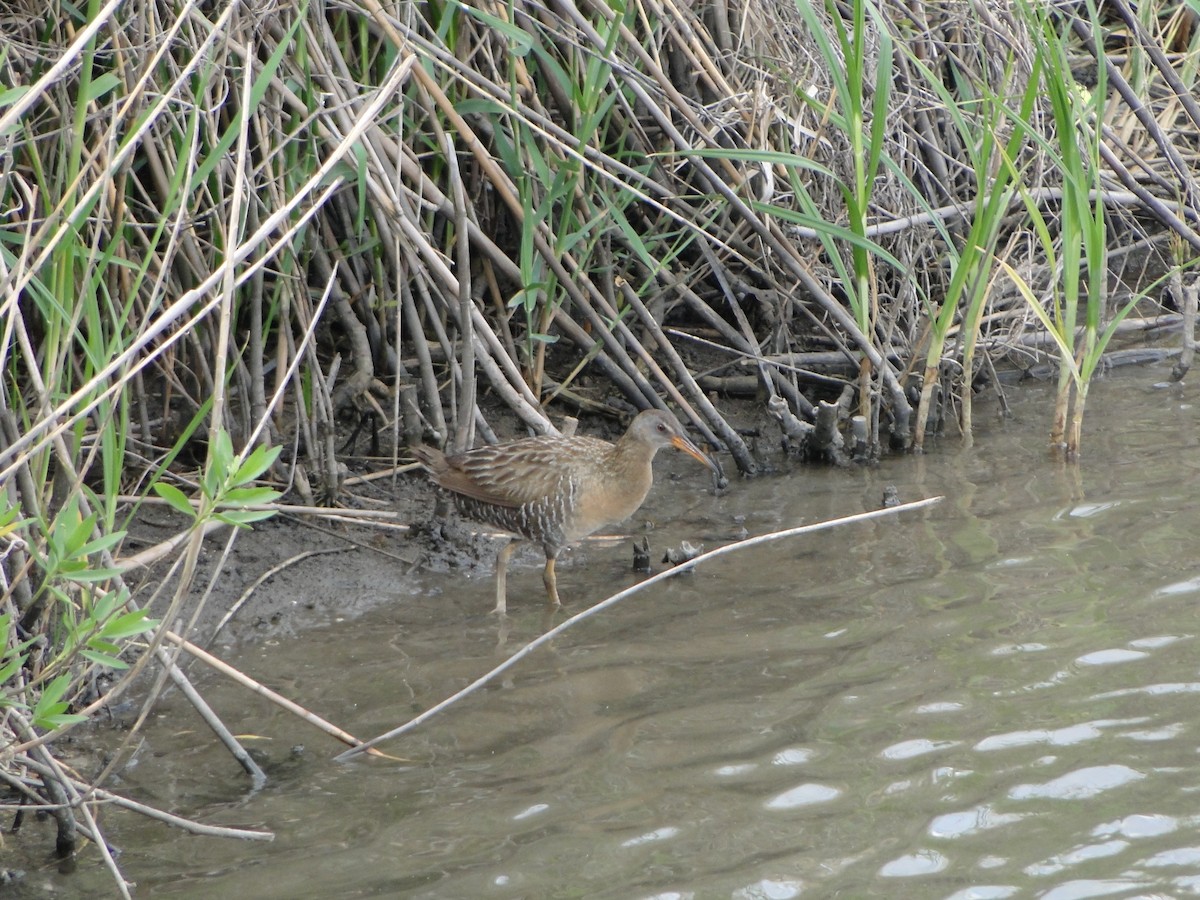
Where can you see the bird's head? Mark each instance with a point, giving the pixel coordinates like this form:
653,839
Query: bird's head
659,429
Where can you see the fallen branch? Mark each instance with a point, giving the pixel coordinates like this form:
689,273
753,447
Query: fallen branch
89,794
617,598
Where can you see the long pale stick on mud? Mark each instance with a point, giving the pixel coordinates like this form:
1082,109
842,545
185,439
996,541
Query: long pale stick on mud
617,598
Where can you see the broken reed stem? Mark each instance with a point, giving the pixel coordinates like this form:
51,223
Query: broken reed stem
617,598
595,351
266,693
606,327
416,334
1186,297
258,778
464,432
159,551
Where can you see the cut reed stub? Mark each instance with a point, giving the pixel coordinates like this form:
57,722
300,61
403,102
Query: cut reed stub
641,555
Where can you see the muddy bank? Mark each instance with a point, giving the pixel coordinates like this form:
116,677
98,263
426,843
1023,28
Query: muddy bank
336,568
293,573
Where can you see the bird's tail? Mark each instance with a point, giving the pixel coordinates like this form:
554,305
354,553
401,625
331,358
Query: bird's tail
433,459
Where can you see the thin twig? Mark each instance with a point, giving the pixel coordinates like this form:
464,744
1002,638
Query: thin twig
617,598
274,570
178,821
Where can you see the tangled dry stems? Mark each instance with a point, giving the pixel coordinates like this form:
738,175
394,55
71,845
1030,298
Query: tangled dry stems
420,202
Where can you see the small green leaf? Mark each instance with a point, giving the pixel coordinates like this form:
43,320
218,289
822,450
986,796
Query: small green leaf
51,721
222,452
521,41
78,533
104,604
340,171
210,484
103,85
68,568
99,645
53,692
244,496
256,463
128,625
104,660
528,295
9,522
85,575
175,497
768,157
10,668
12,95
102,543
49,712
242,518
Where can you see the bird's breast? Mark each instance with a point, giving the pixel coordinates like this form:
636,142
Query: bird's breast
607,500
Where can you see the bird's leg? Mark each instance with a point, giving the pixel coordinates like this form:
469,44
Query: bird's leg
501,574
550,581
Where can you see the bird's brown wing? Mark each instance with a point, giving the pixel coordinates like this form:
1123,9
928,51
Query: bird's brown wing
514,474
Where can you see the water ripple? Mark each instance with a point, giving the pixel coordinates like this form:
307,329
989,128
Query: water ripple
917,747
1138,826
1059,737
923,862
1080,784
1189,586
770,889
793,756
1165,640
1086,510
1180,856
1075,857
803,795
970,821
1165,733
1010,649
1084,888
945,706
531,811
1184,687
984,892
1111,656
658,834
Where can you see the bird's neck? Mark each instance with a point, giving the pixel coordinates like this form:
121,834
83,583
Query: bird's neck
629,456
615,489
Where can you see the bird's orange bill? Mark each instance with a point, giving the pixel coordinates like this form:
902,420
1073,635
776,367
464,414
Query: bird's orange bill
679,442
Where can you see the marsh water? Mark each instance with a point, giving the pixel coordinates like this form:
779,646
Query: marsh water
994,697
